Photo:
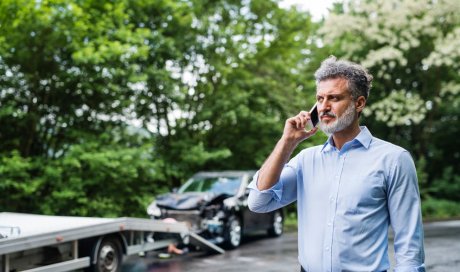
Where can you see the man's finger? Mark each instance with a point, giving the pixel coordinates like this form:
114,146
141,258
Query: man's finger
304,117
311,132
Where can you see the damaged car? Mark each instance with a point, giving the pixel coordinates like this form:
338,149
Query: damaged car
215,206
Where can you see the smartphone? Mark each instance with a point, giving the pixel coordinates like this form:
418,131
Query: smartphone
314,118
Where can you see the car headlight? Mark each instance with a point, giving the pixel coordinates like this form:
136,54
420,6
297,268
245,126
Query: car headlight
153,210
230,202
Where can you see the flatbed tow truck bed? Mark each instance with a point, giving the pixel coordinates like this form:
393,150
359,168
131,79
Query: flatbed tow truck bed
63,243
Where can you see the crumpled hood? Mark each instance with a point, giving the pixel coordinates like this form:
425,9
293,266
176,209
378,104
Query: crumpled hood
185,201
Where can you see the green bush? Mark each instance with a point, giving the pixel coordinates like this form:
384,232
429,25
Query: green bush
447,186
89,180
439,209
16,183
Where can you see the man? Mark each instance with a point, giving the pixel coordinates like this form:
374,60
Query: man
349,190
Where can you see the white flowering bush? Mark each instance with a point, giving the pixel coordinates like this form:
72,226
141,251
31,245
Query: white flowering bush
399,108
412,48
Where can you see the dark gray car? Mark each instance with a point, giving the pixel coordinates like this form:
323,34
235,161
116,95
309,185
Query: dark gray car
216,207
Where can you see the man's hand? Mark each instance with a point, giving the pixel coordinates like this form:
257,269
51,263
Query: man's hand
294,133
295,128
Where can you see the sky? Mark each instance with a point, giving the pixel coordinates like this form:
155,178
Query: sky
317,8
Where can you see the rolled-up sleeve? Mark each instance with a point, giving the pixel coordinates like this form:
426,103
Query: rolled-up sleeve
405,214
281,194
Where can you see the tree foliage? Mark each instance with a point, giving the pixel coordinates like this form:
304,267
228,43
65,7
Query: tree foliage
412,49
104,104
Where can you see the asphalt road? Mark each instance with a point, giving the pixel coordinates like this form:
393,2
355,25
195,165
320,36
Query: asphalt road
258,253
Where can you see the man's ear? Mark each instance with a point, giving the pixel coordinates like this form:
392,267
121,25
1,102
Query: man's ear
360,103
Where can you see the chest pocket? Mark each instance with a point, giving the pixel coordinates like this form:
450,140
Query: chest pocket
361,193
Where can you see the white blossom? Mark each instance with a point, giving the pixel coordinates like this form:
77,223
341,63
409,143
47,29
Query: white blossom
383,36
446,52
401,107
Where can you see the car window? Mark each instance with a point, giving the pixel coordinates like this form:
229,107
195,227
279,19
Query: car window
217,185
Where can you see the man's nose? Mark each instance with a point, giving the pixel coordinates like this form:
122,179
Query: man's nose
324,106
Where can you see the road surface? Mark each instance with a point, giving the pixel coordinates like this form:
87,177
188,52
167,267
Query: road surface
258,253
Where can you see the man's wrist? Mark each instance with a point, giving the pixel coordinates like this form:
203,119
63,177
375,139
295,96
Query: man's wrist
288,143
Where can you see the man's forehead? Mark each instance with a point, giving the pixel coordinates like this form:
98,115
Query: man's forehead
332,86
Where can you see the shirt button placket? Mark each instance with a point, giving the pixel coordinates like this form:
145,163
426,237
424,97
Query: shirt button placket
333,207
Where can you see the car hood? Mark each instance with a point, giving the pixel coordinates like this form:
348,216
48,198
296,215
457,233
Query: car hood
185,201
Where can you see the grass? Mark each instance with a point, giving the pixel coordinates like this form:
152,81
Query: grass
440,209
290,222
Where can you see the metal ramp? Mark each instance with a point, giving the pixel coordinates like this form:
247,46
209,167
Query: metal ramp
197,240
177,227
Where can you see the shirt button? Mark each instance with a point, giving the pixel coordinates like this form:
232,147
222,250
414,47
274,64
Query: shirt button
329,223
327,248
332,199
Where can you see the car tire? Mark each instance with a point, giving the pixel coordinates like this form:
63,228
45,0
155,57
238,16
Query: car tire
233,233
276,227
109,257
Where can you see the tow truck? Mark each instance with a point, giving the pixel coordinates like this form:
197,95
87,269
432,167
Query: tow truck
39,243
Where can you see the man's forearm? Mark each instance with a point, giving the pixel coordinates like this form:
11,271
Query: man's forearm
270,171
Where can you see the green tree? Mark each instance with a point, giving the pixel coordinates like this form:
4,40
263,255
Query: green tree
71,78
207,84
236,74
413,50
250,72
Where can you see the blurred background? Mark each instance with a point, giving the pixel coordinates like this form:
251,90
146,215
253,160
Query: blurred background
105,104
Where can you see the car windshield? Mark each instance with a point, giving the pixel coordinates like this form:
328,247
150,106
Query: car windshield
217,185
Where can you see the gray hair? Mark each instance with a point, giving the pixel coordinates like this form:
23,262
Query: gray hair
359,80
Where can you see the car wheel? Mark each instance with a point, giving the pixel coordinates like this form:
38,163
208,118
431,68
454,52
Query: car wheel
276,227
233,233
109,257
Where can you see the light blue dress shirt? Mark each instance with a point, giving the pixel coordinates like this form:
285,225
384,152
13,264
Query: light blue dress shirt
346,201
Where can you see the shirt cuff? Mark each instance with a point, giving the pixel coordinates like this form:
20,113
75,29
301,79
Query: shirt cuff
420,268
276,191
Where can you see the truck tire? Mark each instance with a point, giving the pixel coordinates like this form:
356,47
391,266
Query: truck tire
233,233
109,256
276,228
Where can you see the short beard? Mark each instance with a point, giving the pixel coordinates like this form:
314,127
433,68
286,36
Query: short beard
341,122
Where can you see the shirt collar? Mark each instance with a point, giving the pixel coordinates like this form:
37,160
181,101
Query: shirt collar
364,139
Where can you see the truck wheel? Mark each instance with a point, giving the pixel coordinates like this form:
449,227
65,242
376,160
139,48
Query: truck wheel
276,228
233,233
109,257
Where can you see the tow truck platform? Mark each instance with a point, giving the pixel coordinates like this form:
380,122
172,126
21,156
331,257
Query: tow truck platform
33,243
